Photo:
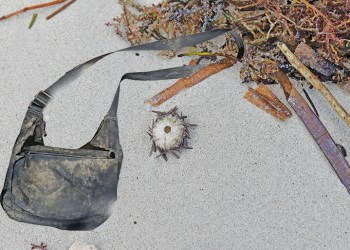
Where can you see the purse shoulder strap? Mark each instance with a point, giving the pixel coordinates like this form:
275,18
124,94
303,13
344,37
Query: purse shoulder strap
106,137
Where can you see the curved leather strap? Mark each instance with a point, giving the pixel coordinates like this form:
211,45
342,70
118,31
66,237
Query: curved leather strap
43,97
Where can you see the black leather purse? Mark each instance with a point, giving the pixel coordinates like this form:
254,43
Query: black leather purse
74,189
65,188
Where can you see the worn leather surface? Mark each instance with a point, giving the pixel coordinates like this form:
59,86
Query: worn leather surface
71,189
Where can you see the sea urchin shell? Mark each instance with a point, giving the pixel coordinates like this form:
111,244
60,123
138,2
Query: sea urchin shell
169,133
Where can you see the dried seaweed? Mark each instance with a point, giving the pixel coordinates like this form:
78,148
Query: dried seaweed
139,23
322,24
170,19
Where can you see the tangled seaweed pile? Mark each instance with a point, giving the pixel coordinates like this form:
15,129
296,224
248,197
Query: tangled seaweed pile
323,25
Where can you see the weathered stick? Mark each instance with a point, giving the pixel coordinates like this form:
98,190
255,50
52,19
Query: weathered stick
190,81
314,81
264,99
60,9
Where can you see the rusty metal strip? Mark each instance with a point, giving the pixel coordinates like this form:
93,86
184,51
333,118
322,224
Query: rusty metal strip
321,136
312,122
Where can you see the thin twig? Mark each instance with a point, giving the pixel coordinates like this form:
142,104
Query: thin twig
33,7
343,23
60,9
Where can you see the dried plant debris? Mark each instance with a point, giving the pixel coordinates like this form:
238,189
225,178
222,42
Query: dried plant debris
32,21
168,19
315,82
60,9
169,133
324,25
42,246
39,6
266,100
319,30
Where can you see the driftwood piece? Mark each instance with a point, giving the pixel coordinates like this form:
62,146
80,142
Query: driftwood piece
265,99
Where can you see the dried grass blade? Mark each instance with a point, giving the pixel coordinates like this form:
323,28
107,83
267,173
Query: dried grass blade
33,20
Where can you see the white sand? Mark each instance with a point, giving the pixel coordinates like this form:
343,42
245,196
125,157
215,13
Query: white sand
251,182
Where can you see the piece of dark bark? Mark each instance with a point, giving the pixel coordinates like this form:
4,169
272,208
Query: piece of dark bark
315,61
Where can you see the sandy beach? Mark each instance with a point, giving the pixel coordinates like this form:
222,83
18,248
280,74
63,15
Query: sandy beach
250,181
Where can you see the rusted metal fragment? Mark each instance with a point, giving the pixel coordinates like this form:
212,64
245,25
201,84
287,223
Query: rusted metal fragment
264,99
314,60
313,124
322,137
